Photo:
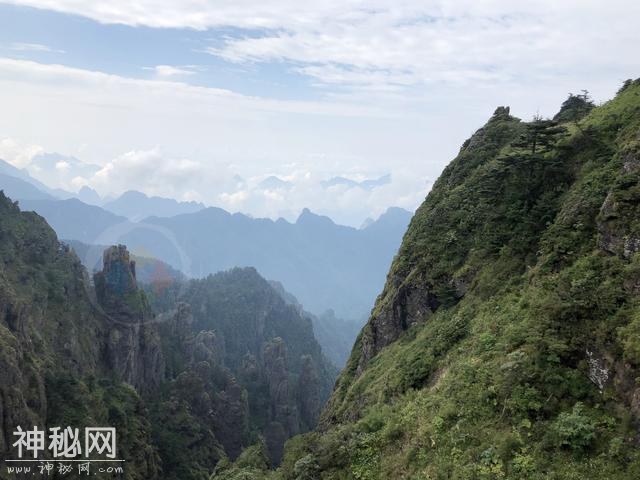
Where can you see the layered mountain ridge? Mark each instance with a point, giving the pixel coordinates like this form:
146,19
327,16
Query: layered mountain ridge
314,258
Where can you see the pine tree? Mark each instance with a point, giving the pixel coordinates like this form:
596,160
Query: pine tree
540,135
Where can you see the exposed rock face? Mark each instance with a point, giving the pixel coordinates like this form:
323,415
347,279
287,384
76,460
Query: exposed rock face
618,233
20,404
605,370
210,403
631,162
477,140
181,322
403,303
133,347
599,370
613,237
243,327
207,347
214,397
283,410
626,386
418,286
238,353
72,350
309,397
118,276
536,330
230,416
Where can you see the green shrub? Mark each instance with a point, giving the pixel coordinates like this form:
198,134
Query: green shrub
575,429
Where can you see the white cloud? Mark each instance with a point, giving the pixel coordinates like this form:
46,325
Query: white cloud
24,71
33,47
168,71
18,153
149,171
383,44
443,42
62,166
341,203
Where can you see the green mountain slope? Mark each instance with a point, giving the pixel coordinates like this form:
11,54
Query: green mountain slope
506,341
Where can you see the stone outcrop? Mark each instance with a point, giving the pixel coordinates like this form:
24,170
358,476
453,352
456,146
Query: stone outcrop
308,394
207,375
276,374
208,347
607,371
133,346
230,416
403,303
616,222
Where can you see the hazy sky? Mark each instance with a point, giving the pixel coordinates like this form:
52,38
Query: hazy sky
203,100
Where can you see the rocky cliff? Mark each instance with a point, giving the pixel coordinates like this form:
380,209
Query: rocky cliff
254,337
506,341
133,344
54,341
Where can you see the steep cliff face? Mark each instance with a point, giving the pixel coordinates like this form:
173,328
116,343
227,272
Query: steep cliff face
426,273
506,342
242,325
133,345
27,301
53,341
511,306
201,414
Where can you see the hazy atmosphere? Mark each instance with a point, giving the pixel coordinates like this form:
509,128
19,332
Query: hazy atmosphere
270,108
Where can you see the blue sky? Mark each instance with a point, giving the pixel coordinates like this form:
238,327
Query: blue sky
205,99
133,52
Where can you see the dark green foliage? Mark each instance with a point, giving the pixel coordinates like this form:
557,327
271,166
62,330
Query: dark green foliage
91,403
575,108
573,429
540,136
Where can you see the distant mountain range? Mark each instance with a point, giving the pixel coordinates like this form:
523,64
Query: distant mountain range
136,206
7,169
365,184
15,187
319,262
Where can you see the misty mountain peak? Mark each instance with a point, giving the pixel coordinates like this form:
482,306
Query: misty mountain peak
137,205
307,217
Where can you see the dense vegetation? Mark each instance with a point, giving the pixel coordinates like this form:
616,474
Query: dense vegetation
506,342
186,390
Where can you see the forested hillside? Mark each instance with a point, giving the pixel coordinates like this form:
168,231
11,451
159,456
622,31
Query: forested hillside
226,365
506,341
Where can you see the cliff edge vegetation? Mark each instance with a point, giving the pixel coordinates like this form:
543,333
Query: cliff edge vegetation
506,341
